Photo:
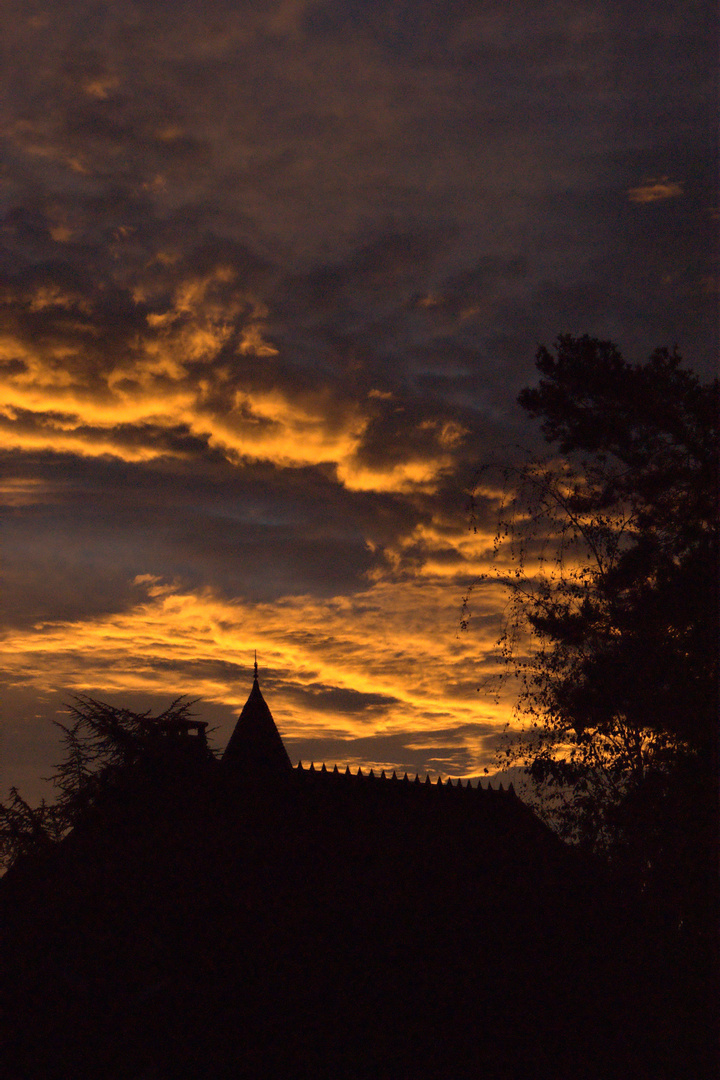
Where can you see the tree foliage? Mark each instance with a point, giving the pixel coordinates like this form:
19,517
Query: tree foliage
608,548
27,830
104,744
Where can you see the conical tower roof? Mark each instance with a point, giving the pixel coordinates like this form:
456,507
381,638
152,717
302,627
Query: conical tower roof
255,744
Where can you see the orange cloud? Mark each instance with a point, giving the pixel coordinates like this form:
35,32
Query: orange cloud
655,190
398,641
100,87
26,491
63,389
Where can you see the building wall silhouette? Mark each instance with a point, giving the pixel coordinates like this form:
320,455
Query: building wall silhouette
243,918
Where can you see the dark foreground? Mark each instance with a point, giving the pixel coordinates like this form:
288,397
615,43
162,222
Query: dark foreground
200,925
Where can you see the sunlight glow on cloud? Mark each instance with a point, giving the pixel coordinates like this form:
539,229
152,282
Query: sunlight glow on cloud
23,491
398,644
271,278
655,190
200,365
405,477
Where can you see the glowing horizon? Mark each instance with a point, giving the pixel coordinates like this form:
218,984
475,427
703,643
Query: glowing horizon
271,280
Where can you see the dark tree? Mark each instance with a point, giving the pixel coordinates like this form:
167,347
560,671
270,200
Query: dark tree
27,830
107,748
105,744
609,551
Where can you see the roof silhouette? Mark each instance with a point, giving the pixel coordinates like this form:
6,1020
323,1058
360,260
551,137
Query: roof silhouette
368,803
255,744
324,923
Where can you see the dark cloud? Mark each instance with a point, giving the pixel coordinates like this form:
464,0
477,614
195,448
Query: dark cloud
272,277
438,751
77,554
339,700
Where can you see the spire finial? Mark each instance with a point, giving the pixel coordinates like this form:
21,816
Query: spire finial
256,674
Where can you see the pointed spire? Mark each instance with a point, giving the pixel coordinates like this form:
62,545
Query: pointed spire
255,744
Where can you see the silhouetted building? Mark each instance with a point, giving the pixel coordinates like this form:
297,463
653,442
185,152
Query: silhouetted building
256,748
255,745
246,920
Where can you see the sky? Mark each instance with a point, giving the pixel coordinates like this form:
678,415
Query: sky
272,275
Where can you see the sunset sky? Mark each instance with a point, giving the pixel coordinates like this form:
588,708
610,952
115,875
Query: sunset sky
271,277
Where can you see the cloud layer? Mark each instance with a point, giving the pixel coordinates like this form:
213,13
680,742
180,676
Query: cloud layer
271,277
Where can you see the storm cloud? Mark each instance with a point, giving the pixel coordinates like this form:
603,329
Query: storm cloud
271,278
